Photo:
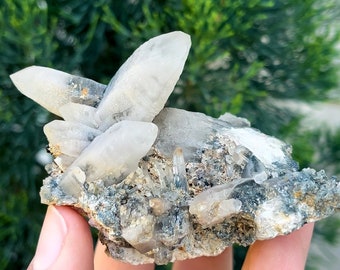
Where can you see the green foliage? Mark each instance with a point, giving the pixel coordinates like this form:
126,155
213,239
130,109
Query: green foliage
244,55
303,142
328,228
25,41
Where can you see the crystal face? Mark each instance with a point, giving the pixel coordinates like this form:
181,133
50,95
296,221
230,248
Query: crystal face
163,184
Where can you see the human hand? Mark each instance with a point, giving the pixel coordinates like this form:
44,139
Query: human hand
65,243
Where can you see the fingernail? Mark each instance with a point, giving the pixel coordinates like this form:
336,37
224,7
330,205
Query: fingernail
50,241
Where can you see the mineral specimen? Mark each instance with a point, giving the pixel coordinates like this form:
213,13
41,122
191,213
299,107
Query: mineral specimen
166,184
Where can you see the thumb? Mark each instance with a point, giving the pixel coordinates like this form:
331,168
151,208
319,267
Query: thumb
65,241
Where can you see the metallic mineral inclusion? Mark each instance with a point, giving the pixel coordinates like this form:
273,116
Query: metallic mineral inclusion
163,184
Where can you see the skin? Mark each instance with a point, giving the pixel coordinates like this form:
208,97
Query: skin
65,243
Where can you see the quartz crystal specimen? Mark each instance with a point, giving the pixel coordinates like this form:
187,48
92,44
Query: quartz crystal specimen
166,184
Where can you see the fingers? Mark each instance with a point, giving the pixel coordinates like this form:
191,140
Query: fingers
104,262
223,261
65,242
283,252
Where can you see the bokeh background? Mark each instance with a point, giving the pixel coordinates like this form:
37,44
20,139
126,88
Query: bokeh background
275,62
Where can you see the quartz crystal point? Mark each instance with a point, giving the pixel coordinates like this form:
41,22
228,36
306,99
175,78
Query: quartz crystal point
53,88
112,155
143,84
185,185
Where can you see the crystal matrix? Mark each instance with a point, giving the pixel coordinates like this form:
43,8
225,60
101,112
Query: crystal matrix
167,184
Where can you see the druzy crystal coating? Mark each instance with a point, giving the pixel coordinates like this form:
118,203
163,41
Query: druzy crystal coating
163,184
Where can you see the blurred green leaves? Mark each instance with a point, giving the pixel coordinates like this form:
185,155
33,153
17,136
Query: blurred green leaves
25,41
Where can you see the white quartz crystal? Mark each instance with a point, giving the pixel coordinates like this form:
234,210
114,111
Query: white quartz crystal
113,154
53,88
212,206
135,92
79,113
58,131
267,149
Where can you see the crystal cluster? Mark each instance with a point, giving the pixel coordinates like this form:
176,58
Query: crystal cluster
166,184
